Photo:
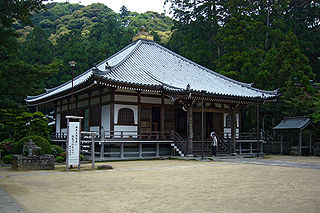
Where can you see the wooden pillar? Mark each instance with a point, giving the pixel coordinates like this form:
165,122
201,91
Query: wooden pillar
100,111
92,151
157,150
202,128
162,114
258,130
122,150
139,113
89,110
112,113
102,145
140,150
233,132
281,145
76,107
190,130
300,142
310,143
240,151
68,106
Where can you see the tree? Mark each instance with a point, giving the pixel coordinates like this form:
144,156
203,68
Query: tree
11,11
124,12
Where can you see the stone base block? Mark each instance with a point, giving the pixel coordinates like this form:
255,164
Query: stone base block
43,162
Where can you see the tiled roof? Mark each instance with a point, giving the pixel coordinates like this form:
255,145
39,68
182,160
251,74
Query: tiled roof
293,123
147,63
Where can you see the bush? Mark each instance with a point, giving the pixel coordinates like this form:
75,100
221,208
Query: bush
45,146
60,159
7,159
63,155
7,146
56,150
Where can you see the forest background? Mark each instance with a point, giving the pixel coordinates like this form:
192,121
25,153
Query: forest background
273,44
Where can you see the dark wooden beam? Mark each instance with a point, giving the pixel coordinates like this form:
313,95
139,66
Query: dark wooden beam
213,109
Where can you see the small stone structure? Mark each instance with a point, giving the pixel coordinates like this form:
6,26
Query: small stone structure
104,167
31,160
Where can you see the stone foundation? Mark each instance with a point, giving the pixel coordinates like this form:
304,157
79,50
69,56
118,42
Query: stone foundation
43,162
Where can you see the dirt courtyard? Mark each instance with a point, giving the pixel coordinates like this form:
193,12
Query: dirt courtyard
167,186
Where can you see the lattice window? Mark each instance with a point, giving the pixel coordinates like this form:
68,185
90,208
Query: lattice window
228,121
126,116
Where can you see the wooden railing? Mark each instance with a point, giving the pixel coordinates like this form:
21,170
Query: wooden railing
178,140
124,135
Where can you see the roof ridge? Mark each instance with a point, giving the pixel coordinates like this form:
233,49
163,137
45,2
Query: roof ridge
129,54
117,53
247,85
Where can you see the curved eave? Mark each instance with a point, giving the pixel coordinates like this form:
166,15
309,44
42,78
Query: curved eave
65,93
179,91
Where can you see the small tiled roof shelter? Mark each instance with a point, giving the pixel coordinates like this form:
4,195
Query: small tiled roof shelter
299,124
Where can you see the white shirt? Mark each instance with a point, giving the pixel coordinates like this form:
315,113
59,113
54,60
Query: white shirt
214,139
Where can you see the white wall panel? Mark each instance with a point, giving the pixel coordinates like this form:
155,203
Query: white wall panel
105,118
127,130
168,102
58,119
126,98
150,100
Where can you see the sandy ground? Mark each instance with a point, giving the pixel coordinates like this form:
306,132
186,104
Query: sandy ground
168,186
304,159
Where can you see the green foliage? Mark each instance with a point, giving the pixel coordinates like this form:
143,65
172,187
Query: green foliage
31,124
270,43
63,155
42,143
7,146
7,159
56,150
60,159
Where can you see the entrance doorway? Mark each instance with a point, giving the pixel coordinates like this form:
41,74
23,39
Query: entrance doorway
155,118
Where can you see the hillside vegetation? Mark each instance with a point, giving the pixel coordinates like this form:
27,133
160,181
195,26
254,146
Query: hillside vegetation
275,44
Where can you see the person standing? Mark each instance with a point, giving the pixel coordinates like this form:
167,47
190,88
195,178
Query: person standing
214,143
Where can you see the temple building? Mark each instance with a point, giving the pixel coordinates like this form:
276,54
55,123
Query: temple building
146,100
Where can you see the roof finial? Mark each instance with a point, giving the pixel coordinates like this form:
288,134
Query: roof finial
142,34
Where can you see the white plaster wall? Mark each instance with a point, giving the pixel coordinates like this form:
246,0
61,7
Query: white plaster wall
105,118
126,90
127,98
58,117
94,128
132,107
168,102
127,130
150,100
227,131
